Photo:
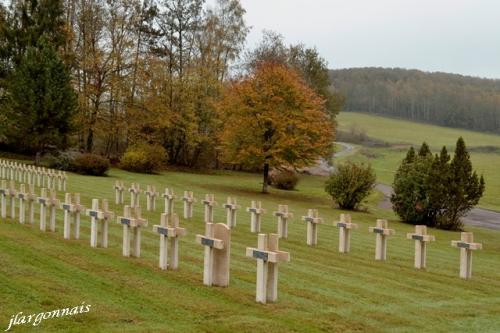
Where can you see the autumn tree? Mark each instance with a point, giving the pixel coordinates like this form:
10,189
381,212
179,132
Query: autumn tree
272,119
305,60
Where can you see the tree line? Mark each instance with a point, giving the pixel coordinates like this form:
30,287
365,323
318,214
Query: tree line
438,98
101,76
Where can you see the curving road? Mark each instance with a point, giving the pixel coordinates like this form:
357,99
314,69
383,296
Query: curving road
322,168
477,217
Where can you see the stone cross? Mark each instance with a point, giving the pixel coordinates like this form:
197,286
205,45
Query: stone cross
39,176
42,200
170,232
209,204
382,231
3,199
283,216
217,243
151,196
188,199
466,245
421,239
119,188
51,184
135,190
345,226
72,209
61,180
231,207
268,257
313,220
132,225
48,201
29,197
99,217
256,212
12,193
169,198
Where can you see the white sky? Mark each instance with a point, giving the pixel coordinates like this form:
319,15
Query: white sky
457,36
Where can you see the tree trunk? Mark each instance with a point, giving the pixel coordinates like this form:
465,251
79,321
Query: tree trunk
266,179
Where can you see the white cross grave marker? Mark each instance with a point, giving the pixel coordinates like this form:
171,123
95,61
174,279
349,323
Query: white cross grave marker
231,207
382,231
29,197
209,204
188,199
12,193
151,196
466,245
217,243
421,239
99,220
268,257
169,198
345,226
135,190
170,232
119,188
3,199
283,216
132,225
313,220
75,209
256,212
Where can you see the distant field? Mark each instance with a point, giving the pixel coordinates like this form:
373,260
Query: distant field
400,133
320,290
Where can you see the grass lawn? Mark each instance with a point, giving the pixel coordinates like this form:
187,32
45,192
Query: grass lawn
320,290
400,133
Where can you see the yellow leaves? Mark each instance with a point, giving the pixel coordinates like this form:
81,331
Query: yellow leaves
273,115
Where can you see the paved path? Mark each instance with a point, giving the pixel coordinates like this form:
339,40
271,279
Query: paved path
322,168
477,217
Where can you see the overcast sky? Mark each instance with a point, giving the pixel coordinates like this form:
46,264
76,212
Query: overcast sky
454,36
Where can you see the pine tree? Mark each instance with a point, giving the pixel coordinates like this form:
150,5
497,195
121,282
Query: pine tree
424,150
41,101
465,187
410,156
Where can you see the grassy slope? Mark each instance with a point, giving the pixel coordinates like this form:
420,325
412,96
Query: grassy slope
403,132
319,290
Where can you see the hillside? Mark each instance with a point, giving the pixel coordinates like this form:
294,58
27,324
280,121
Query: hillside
438,98
383,142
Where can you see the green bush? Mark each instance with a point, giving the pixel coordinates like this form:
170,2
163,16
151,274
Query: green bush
60,160
89,164
350,184
144,158
283,179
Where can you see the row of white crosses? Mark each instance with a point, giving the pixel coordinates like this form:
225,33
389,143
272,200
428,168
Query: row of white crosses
39,176
151,196
217,236
313,220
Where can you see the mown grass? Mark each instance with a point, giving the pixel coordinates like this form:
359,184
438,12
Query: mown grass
320,290
399,134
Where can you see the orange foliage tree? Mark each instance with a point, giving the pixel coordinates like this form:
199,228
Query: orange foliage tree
272,119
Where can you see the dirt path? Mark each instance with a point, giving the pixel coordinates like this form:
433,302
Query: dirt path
477,217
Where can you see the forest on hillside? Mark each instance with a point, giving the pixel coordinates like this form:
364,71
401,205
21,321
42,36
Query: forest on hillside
438,98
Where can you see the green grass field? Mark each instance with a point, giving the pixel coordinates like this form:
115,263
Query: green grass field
400,133
320,290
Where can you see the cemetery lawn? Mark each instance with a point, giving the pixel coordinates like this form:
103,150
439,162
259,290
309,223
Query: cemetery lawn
320,290
400,134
